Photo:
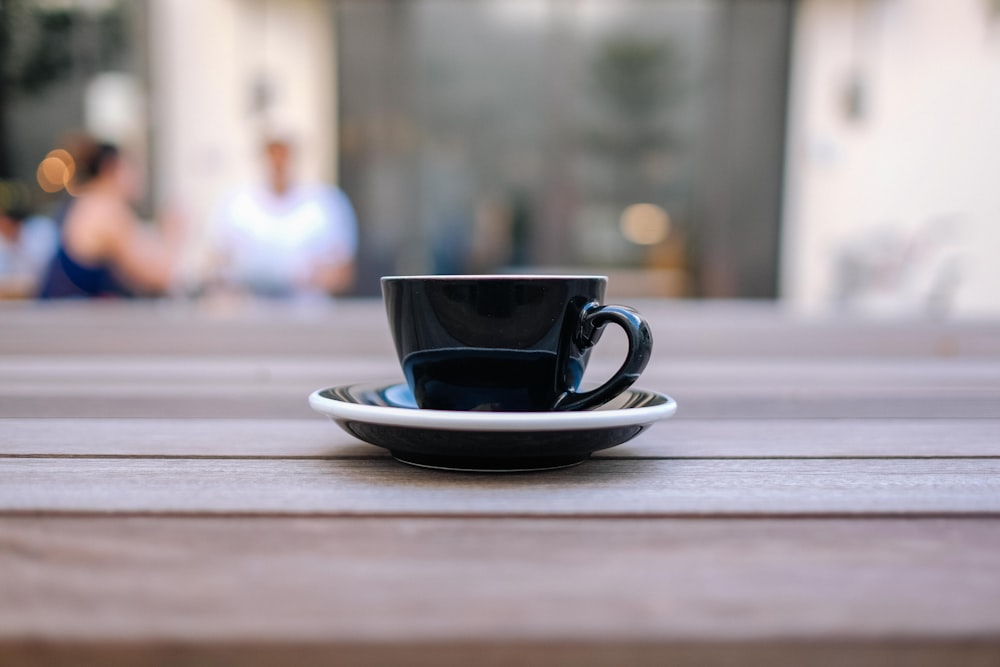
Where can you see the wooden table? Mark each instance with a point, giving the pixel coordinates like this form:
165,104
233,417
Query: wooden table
828,493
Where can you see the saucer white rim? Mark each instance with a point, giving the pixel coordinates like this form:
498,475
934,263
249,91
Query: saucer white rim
490,421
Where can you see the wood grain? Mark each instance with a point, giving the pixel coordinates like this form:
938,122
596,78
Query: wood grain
609,487
682,329
272,387
319,437
588,652
406,580
829,494
38,373
292,405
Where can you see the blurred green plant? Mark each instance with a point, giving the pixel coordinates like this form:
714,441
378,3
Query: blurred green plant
44,43
635,83
633,75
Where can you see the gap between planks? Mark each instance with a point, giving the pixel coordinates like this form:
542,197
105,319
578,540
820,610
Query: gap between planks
597,457
612,517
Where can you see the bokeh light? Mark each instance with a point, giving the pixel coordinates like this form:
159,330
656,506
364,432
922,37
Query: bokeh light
645,224
56,171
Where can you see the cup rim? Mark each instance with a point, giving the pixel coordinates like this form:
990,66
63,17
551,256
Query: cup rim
498,277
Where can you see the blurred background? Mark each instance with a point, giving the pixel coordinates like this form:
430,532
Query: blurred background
838,155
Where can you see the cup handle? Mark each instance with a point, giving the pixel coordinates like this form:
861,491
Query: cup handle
593,318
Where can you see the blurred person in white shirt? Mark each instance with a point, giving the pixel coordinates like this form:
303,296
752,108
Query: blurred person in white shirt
285,239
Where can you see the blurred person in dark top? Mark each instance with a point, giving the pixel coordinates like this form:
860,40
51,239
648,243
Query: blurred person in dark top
104,250
283,238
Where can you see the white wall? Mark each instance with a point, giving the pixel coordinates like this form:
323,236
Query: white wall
912,183
207,57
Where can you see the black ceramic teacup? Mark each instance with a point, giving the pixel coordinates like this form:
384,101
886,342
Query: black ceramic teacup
507,343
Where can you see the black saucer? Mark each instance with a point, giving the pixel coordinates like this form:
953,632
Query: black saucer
385,414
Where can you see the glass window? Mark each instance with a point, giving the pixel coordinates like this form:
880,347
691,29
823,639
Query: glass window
566,134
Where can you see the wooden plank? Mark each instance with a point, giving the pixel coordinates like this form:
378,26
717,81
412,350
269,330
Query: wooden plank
682,330
608,487
692,405
822,405
273,387
816,438
288,438
319,437
161,328
173,389
587,652
40,374
281,406
417,582
181,368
